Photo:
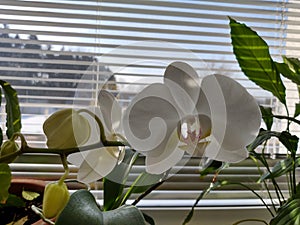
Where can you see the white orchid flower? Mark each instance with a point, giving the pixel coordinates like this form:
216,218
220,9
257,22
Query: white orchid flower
97,163
166,120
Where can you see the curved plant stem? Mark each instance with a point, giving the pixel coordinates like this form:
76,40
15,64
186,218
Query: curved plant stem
153,187
39,212
265,184
248,220
27,149
287,118
66,168
257,195
102,131
278,191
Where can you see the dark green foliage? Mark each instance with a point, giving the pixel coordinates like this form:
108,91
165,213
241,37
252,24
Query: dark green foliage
13,113
252,54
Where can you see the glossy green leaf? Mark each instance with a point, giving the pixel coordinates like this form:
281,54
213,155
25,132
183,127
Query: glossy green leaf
112,193
5,178
263,136
293,63
125,215
83,209
287,72
297,110
149,219
253,56
13,113
267,116
297,194
288,214
114,183
282,167
289,141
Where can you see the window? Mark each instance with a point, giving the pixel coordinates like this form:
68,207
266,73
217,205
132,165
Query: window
58,54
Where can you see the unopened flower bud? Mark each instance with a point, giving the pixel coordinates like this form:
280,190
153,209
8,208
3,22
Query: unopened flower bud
8,147
66,129
56,196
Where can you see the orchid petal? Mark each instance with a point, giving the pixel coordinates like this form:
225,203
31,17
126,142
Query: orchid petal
111,112
168,157
150,119
77,158
181,79
98,163
235,116
95,131
217,152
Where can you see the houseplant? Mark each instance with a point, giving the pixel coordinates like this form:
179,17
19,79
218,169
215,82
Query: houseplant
184,115
17,195
253,56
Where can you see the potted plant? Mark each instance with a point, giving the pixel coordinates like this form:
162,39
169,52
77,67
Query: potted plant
253,56
16,195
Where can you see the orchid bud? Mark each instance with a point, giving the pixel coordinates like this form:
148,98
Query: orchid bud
8,147
66,129
56,196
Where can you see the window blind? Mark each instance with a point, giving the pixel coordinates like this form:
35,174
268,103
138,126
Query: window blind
58,54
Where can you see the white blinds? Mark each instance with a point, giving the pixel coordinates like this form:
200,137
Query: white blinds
59,53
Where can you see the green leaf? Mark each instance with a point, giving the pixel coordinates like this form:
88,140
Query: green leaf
5,179
149,219
30,195
293,63
13,113
282,167
211,167
14,201
288,214
263,136
253,56
285,70
112,193
83,209
297,110
289,141
114,183
297,194
267,116
125,215
1,132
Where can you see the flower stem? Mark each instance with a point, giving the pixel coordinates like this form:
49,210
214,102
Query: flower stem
102,131
39,212
143,195
256,194
66,168
265,184
287,118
